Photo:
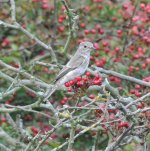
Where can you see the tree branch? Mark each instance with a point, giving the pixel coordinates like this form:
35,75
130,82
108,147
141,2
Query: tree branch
121,76
73,19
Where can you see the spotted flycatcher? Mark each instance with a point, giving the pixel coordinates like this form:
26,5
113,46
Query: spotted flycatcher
77,65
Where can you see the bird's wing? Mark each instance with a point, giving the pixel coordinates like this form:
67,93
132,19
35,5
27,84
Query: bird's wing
74,62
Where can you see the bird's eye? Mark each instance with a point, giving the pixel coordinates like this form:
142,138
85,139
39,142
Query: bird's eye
85,46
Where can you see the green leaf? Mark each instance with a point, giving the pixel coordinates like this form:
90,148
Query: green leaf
14,47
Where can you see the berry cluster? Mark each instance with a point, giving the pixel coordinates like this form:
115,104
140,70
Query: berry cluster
34,130
82,83
5,42
45,4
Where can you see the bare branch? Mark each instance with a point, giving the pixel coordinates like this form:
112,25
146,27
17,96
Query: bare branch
121,76
73,19
13,10
139,100
71,139
113,145
4,148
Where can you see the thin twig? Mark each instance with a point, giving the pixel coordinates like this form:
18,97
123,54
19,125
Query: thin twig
139,100
72,19
48,135
4,148
112,146
70,25
130,23
94,148
13,10
54,23
21,71
71,139
79,134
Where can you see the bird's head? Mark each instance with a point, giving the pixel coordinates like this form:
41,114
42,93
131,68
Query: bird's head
86,46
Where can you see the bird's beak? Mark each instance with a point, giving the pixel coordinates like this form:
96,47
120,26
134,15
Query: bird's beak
93,47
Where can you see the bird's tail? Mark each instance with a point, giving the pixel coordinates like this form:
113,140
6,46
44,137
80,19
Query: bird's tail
49,93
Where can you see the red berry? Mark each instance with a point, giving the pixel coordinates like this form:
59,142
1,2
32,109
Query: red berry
135,30
142,5
5,42
96,46
96,54
98,111
92,58
78,79
28,117
3,120
93,31
135,18
61,29
100,7
137,86
97,82
69,89
79,83
31,94
34,130
62,17
92,96
86,32
131,68
96,77
67,84
45,69
125,124
112,78
132,91
114,18
138,94
88,74
117,49
101,31
119,32
60,20
45,1
105,44
147,60
15,65
85,79
140,106
99,64
125,6
45,6
82,25
71,82
35,0
64,101
103,60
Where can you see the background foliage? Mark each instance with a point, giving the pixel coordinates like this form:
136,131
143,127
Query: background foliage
121,34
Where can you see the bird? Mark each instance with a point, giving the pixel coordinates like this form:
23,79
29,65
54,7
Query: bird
76,66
